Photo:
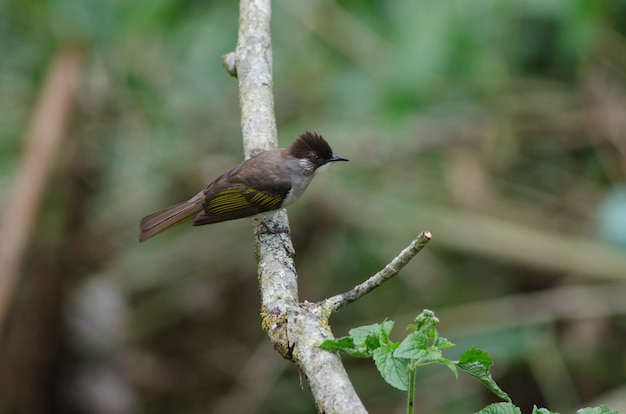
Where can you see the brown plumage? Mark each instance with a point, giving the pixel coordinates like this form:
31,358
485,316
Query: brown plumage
266,182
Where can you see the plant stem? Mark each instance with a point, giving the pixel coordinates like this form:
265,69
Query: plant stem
411,400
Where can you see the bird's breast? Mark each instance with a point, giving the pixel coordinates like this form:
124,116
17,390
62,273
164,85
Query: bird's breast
298,187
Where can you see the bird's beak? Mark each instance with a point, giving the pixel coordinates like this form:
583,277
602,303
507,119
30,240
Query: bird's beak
336,157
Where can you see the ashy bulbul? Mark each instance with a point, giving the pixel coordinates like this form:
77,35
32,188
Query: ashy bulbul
268,181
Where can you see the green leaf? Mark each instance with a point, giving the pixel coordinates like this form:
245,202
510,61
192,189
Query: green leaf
500,408
541,410
421,356
603,409
385,331
362,340
414,346
346,345
393,370
372,342
380,331
443,343
338,344
360,334
477,363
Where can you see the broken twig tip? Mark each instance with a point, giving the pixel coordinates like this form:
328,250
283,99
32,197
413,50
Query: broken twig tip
228,62
427,234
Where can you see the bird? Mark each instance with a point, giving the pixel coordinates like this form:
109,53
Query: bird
268,181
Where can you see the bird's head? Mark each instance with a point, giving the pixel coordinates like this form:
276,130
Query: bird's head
313,152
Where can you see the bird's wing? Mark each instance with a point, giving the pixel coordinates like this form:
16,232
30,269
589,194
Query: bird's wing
228,200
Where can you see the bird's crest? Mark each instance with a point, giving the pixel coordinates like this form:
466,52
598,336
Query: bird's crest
310,143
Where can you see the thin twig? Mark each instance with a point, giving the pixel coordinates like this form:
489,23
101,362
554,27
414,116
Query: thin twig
334,303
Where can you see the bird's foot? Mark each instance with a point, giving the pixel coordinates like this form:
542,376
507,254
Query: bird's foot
269,230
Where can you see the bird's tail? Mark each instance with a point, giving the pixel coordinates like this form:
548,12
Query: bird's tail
155,223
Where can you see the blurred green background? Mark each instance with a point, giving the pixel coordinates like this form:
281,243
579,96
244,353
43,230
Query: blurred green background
499,125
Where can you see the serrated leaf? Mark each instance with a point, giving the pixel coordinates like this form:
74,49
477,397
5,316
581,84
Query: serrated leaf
372,342
476,355
500,408
345,345
414,346
379,330
393,370
420,356
443,343
432,354
541,410
603,409
360,334
385,331
476,363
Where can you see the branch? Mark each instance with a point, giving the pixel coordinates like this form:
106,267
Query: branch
294,331
334,303
253,66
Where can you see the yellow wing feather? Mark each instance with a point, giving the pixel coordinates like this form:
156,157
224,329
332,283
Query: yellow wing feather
233,203
227,201
263,199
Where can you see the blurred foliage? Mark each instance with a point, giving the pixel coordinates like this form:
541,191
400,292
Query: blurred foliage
498,114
